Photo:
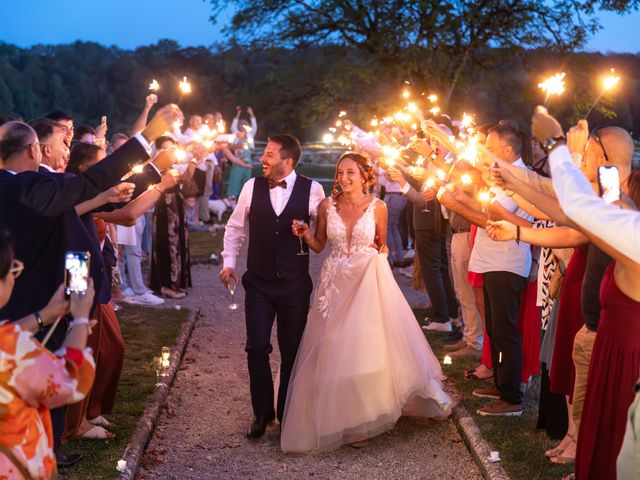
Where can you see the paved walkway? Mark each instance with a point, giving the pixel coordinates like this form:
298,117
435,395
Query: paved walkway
201,432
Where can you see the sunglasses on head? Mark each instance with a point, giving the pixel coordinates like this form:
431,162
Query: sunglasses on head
595,134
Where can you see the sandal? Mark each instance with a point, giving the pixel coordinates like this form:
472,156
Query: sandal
100,420
560,460
471,375
169,293
97,433
556,452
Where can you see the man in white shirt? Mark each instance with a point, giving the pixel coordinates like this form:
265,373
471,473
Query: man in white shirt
505,267
277,281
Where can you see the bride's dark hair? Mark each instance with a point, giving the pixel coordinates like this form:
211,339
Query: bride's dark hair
366,171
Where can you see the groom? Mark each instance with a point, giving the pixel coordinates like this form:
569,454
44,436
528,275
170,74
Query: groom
277,281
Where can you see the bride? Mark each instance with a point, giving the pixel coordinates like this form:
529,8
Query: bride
363,360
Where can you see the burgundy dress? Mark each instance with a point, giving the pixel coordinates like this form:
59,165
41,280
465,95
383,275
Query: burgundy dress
529,326
570,320
614,369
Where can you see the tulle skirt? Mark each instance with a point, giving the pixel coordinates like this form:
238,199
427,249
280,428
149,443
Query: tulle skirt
362,363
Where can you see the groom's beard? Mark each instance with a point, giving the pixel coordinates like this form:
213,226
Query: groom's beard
273,172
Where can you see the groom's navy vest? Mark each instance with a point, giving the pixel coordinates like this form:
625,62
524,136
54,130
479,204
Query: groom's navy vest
273,248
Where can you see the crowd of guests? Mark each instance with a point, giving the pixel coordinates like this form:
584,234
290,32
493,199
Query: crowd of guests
126,202
516,244
509,244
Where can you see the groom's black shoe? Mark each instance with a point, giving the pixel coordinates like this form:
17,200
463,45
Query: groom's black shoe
259,426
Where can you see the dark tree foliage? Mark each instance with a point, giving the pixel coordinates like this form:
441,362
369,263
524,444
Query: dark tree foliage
430,42
298,90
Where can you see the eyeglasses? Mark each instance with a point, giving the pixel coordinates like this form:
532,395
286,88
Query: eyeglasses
16,268
594,134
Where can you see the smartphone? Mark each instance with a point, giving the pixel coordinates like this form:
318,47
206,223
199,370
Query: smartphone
609,183
104,120
76,272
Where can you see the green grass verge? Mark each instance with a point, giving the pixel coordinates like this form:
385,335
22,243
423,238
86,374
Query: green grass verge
203,244
145,331
520,444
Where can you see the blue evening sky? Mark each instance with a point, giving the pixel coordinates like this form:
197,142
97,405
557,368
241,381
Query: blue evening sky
129,24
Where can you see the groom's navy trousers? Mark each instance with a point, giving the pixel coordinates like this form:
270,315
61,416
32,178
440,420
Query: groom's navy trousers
277,286
288,300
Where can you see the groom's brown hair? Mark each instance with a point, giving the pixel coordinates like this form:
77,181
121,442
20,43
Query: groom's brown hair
289,147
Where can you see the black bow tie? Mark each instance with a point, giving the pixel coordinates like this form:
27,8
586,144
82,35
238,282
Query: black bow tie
274,184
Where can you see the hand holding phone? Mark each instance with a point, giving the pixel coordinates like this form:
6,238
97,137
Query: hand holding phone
76,272
609,183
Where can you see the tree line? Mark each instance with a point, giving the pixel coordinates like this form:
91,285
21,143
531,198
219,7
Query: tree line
300,89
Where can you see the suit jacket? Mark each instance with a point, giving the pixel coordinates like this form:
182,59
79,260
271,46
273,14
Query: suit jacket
39,211
431,220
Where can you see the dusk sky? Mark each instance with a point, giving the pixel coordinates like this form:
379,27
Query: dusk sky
142,22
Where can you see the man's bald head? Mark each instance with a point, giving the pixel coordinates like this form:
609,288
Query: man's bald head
619,145
14,137
608,146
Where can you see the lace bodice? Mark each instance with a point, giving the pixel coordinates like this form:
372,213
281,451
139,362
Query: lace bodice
341,251
363,234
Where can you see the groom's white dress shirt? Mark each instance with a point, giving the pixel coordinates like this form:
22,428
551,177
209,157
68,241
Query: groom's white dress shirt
237,226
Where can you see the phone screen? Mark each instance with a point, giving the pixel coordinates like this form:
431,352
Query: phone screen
609,183
76,272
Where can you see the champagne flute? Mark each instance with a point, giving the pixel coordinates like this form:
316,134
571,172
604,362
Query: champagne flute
428,183
300,228
231,286
158,365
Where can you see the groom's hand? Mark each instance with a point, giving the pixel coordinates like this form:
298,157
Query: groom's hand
227,274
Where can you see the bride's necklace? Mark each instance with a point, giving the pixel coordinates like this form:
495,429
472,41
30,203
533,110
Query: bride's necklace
353,204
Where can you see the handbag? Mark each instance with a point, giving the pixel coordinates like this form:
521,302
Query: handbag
556,281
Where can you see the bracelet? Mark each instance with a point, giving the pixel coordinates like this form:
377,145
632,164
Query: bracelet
77,322
39,320
512,194
158,188
518,234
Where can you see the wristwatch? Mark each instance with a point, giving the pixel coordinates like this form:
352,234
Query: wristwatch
553,142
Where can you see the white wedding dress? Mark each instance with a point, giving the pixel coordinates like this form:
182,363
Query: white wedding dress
363,360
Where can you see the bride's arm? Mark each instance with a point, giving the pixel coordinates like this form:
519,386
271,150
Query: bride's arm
381,226
317,242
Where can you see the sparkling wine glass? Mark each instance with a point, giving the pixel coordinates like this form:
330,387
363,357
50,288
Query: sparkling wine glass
428,183
300,228
158,365
231,286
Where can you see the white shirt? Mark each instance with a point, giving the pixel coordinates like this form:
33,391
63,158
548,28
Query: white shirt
236,228
619,228
492,256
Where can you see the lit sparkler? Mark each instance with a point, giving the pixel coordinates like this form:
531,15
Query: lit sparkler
154,86
609,82
553,85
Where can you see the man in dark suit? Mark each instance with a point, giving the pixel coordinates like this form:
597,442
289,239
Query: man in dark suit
40,211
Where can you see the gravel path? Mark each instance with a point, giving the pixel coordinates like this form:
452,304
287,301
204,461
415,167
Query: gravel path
200,434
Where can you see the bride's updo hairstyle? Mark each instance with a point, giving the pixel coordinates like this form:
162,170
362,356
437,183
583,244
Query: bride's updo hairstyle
365,167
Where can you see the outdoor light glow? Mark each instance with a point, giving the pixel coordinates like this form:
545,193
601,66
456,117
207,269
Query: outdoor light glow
553,85
610,80
327,138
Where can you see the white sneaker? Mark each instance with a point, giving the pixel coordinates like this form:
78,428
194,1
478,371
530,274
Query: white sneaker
147,298
407,271
438,327
128,292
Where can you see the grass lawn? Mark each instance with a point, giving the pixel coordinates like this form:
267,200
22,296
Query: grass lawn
520,444
203,244
145,331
